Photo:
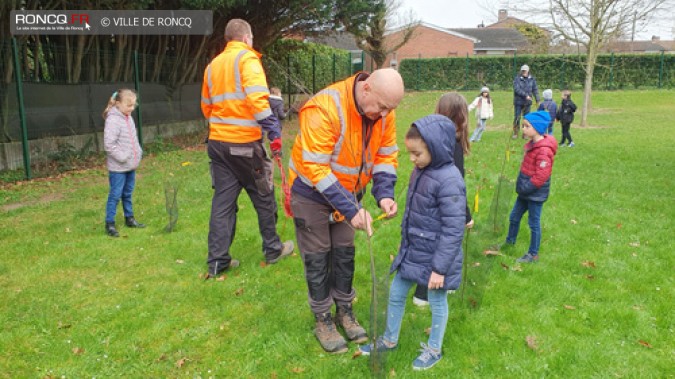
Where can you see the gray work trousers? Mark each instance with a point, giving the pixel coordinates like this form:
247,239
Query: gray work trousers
235,166
327,251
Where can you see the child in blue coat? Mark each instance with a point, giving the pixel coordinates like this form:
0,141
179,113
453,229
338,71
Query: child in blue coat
432,231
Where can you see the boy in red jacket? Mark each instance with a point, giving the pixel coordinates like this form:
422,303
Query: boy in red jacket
534,181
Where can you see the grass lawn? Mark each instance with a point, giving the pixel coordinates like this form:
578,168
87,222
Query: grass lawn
75,303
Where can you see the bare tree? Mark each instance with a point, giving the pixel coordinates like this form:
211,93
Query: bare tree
593,23
374,37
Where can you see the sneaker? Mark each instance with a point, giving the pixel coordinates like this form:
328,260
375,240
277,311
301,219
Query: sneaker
427,359
571,144
528,258
344,317
420,302
561,144
327,334
514,136
382,347
286,250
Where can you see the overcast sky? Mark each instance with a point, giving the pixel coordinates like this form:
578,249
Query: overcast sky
470,13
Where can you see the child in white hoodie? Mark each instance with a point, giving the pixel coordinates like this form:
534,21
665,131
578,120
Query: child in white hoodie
483,105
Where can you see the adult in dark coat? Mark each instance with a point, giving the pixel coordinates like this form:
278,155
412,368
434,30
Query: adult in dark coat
524,90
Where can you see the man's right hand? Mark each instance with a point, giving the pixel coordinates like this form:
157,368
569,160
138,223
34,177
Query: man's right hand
363,220
275,146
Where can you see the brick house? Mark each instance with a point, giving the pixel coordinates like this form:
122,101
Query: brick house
429,41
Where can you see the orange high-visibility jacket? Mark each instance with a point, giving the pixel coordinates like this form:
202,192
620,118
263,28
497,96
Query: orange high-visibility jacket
235,94
329,146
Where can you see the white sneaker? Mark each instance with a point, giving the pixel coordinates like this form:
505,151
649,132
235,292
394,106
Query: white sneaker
419,302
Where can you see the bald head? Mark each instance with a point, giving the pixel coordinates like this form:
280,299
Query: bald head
387,83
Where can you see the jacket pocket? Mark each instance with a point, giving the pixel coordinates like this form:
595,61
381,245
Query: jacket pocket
422,241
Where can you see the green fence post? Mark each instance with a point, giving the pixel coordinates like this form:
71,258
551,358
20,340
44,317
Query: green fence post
661,70
334,58
466,73
611,70
363,60
22,114
514,64
138,94
313,73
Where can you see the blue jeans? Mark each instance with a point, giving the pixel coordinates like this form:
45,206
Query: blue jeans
478,132
534,220
121,187
438,301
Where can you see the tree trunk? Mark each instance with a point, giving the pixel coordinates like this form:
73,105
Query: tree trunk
588,84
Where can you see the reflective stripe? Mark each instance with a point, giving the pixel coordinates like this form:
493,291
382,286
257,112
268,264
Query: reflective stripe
343,127
263,115
237,74
386,150
315,157
208,75
344,169
238,94
228,96
326,182
206,100
388,168
291,166
254,89
234,121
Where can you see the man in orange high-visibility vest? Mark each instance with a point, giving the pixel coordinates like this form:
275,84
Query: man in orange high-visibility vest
347,137
235,102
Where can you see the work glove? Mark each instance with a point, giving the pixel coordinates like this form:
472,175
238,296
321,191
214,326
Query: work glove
275,146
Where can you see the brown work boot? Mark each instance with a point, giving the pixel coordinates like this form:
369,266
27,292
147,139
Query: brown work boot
286,250
327,334
345,318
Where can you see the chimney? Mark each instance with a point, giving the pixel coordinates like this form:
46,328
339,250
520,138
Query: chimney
503,14
655,38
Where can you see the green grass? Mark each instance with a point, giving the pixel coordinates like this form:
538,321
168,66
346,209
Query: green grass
76,303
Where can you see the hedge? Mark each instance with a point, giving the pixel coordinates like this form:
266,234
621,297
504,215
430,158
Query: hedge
312,66
612,71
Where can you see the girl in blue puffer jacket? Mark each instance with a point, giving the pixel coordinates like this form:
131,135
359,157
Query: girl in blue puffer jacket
432,232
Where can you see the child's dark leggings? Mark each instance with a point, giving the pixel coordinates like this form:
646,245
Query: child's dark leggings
566,133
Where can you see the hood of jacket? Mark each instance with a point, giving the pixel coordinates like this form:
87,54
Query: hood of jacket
438,133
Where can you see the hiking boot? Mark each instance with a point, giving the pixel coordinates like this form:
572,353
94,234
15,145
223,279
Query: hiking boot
286,250
215,272
345,318
427,359
528,258
132,223
381,346
111,230
327,334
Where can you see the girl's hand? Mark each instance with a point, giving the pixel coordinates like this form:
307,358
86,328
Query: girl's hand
436,281
469,225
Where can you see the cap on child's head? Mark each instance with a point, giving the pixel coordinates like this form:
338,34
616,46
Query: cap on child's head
548,94
525,68
484,89
539,121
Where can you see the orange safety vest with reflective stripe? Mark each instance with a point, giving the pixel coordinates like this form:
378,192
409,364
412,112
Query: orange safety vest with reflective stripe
235,94
329,146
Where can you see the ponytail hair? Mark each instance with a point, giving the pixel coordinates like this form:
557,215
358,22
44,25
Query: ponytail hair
116,97
453,106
